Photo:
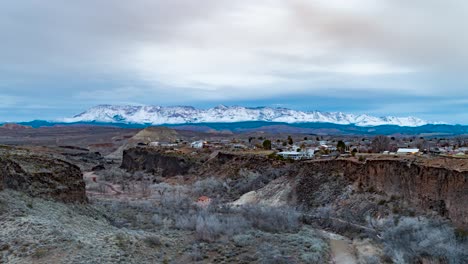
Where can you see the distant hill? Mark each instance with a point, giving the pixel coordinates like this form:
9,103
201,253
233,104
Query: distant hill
278,127
13,126
151,134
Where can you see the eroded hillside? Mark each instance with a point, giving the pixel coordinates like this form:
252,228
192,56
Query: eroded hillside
428,185
40,175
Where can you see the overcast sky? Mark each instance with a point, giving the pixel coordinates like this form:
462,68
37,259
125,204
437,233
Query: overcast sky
381,57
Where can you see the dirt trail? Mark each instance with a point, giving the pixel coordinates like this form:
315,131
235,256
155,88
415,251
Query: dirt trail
90,175
341,253
341,249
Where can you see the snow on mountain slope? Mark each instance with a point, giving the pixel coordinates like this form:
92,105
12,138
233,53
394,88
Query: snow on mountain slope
157,115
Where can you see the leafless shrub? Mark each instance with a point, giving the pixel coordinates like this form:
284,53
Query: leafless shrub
209,186
186,222
271,255
145,188
272,219
152,241
249,182
96,187
371,260
210,227
157,220
114,174
410,239
195,253
176,203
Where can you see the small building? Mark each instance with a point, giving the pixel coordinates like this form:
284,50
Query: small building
168,145
297,155
154,144
407,151
239,146
197,144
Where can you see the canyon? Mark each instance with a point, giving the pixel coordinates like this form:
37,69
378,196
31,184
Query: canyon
437,186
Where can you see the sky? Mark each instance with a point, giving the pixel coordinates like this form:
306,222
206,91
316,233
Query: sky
380,57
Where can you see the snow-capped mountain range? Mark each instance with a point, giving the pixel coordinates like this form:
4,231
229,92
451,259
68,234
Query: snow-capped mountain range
157,115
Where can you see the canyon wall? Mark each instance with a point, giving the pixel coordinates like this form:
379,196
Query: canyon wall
153,161
442,189
41,176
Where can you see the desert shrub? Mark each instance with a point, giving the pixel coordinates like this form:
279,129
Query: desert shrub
209,187
144,188
186,222
311,258
114,174
196,254
411,239
462,235
176,203
249,181
272,255
210,227
152,241
272,219
40,253
96,187
372,260
157,220
173,199
122,241
243,240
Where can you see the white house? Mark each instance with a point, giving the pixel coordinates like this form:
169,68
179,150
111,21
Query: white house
239,146
154,144
407,151
297,155
197,144
310,153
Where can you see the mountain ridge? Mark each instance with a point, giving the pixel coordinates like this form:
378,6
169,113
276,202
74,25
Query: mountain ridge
158,115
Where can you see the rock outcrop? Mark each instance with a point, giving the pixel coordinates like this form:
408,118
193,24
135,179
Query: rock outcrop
153,161
437,188
41,176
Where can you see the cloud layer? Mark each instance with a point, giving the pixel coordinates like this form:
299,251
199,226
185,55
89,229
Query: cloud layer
382,57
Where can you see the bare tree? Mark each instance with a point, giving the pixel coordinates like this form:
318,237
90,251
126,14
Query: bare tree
422,144
460,141
380,143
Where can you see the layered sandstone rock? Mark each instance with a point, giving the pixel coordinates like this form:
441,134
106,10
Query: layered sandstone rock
41,176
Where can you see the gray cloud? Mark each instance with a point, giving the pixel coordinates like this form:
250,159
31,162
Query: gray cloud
188,51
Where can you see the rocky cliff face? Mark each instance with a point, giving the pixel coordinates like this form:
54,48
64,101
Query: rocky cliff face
41,176
153,161
442,189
